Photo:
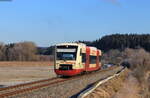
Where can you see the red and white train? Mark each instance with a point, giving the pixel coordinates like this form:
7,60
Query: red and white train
75,58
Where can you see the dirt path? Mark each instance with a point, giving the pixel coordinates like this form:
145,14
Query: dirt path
130,89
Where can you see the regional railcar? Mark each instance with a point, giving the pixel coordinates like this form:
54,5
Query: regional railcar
75,58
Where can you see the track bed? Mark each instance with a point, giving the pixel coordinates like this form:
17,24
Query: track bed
61,87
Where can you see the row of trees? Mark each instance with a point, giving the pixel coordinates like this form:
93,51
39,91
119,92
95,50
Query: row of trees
23,51
115,41
45,50
121,41
28,51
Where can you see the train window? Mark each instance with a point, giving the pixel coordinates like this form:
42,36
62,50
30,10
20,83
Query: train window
92,59
83,57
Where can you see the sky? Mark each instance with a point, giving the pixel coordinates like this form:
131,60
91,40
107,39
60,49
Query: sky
48,22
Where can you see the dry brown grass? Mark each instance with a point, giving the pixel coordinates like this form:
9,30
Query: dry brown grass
109,88
140,64
20,73
139,61
130,88
25,63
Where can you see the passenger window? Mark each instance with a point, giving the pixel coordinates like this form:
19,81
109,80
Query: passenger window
92,59
83,57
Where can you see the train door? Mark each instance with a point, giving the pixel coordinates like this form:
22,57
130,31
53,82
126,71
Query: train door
87,58
97,60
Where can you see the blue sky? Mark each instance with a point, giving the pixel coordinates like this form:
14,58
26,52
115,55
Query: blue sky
47,22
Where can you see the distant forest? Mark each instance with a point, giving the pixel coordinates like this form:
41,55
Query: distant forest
28,51
121,42
114,41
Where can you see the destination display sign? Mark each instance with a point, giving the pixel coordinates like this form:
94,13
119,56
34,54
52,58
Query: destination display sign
66,50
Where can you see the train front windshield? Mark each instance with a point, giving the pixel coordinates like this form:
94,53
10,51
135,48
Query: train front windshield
66,52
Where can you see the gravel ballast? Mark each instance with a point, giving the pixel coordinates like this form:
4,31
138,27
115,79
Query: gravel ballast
70,88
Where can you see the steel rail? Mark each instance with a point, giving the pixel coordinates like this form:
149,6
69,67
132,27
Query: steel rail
27,87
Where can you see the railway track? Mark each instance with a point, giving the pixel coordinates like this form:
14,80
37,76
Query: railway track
31,86
27,87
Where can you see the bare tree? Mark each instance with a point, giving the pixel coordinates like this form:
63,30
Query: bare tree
113,56
23,51
2,48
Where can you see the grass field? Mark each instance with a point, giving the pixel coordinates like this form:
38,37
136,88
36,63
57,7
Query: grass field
25,63
20,72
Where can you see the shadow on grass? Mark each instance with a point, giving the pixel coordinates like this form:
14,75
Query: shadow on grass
87,87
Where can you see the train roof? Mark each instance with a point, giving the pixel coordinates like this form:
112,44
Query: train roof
93,48
77,44
72,44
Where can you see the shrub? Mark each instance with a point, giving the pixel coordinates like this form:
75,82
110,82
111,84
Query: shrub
138,60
